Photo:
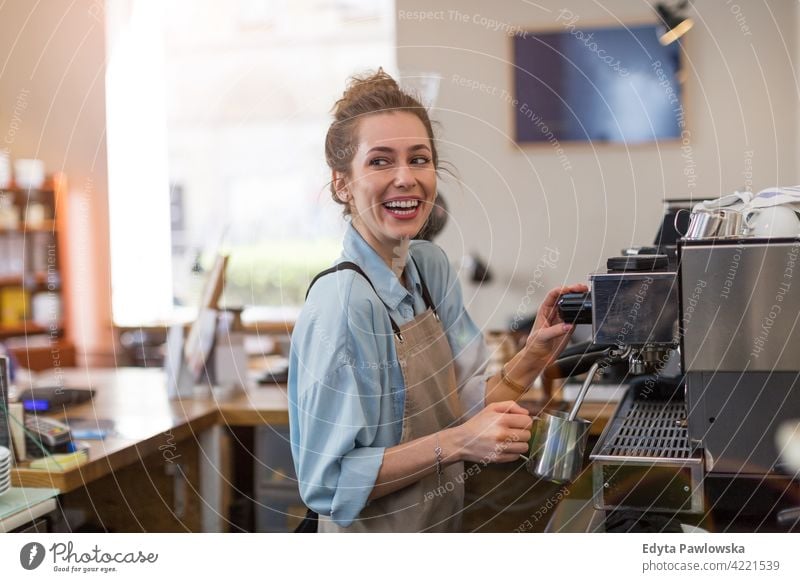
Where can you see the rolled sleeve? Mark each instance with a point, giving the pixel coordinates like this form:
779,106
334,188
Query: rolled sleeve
336,424
359,471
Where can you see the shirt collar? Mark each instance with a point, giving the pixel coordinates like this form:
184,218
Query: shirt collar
388,287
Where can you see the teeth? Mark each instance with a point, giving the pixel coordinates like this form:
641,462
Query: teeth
402,204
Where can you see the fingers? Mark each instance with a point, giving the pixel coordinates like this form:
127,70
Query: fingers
551,299
552,296
509,452
518,421
548,305
508,406
515,448
546,334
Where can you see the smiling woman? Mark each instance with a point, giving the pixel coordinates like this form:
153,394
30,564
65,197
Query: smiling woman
387,391
391,187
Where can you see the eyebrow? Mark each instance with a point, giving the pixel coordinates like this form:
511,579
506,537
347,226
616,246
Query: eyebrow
413,148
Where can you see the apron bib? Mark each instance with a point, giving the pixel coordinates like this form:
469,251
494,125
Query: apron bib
435,502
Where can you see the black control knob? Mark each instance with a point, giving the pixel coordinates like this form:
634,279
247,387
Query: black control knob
575,308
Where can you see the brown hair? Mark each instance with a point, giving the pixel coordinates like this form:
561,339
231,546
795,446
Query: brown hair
367,94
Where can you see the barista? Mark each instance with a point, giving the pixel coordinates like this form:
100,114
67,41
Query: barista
388,395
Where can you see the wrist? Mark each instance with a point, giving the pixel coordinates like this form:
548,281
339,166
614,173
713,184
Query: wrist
452,442
522,369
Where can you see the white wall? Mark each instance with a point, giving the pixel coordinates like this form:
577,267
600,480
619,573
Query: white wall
741,101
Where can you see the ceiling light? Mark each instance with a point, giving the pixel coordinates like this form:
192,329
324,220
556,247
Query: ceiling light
674,20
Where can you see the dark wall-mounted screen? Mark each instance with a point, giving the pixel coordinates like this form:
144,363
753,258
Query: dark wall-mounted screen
597,84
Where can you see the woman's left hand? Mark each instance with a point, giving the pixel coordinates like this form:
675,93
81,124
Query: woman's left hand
550,334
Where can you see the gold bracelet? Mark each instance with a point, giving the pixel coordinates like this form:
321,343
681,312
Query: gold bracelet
516,387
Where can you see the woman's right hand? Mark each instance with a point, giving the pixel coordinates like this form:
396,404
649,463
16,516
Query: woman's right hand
497,434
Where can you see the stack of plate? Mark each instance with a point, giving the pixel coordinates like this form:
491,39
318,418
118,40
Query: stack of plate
5,470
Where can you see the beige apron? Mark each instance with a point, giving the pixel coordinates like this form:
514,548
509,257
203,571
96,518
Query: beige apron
435,502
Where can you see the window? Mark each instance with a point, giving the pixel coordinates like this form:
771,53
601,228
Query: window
229,151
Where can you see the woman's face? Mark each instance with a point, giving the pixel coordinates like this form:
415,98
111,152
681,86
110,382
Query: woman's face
392,182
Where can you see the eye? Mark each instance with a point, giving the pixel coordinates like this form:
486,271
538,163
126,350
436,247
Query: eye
378,162
420,161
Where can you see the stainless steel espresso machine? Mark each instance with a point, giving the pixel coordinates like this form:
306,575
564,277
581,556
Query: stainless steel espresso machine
723,315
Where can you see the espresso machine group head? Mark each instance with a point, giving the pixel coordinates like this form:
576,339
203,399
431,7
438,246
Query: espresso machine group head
632,307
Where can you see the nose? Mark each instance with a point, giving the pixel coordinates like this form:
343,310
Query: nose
404,177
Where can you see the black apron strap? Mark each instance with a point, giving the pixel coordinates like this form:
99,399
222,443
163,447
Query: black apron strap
426,295
348,266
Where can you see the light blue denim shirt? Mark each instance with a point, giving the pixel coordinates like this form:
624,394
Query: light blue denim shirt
346,388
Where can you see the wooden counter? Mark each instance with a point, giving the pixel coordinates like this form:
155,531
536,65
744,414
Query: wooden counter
147,421
156,442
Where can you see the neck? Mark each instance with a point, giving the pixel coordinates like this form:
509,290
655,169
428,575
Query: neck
394,252
399,257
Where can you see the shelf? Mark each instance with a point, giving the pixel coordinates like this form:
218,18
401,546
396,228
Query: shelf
48,186
26,328
44,264
38,279
46,226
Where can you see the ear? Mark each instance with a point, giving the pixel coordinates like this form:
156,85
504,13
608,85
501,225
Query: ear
339,182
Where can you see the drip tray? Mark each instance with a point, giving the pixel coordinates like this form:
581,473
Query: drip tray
649,429
644,460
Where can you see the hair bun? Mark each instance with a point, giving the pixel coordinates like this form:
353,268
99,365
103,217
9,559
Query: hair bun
361,87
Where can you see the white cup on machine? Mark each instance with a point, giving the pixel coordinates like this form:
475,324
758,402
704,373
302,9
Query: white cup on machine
773,221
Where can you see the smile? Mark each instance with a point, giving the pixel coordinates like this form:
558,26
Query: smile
402,208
